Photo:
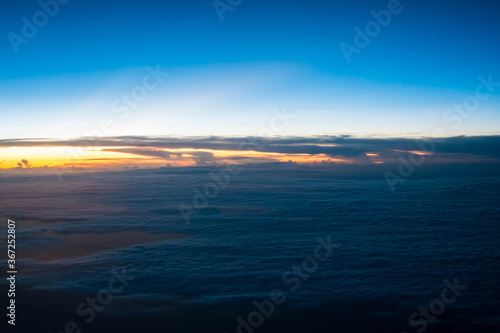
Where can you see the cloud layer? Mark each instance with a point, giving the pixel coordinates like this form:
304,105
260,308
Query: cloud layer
461,148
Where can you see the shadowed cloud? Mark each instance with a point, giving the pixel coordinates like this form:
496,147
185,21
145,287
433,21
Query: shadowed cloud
465,147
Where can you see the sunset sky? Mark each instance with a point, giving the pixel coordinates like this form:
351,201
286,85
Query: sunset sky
257,166
145,81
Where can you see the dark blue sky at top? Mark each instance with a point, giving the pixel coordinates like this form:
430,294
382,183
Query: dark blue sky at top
430,43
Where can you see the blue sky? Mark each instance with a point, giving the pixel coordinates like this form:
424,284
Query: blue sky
227,76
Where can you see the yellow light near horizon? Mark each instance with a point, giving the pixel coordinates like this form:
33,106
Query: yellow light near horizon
38,157
59,156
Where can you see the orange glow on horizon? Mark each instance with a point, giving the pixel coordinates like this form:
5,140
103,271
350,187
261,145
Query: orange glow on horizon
104,157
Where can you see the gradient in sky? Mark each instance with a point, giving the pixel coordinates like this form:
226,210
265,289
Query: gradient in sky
226,78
